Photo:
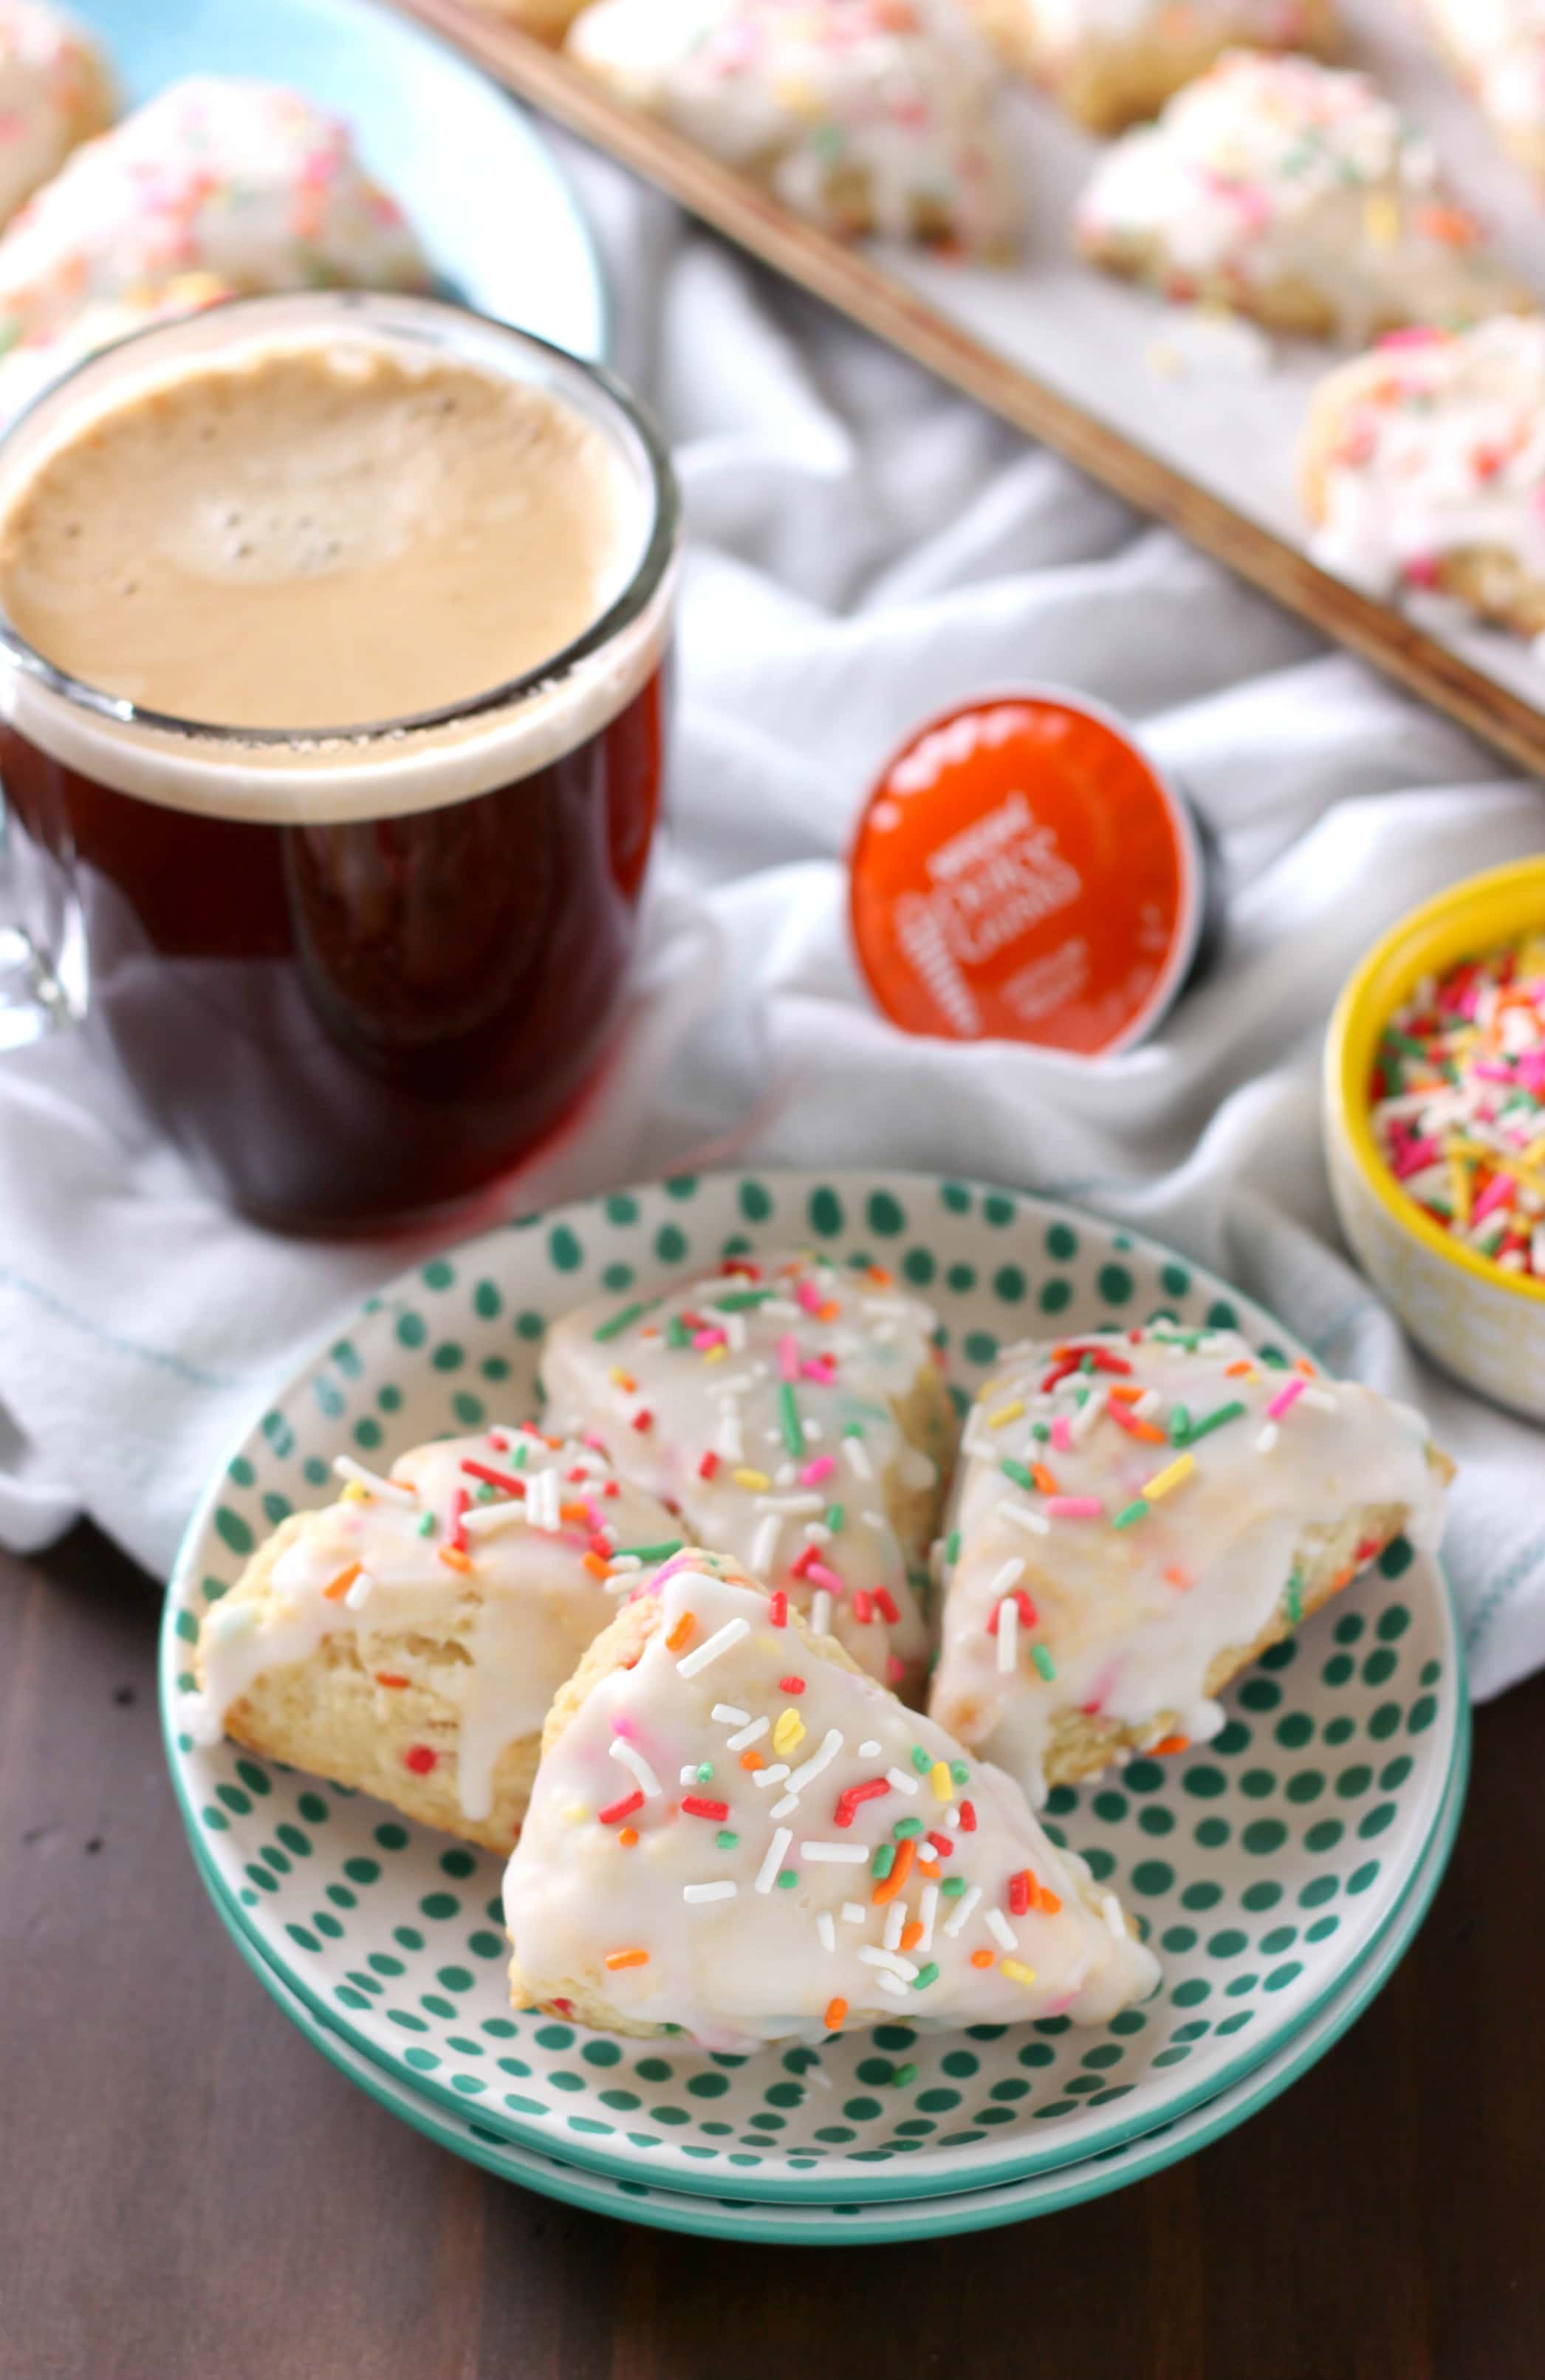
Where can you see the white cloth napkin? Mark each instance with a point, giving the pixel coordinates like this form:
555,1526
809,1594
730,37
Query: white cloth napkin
866,549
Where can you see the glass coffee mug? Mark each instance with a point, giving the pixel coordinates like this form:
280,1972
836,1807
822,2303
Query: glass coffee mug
355,975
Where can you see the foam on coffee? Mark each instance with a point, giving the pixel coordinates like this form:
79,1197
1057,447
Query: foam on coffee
316,537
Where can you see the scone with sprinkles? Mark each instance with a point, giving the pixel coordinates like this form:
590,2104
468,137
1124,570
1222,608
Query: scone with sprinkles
1111,62
1497,48
868,116
1424,467
409,1639
794,1412
241,180
1135,1519
56,90
1291,191
735,1832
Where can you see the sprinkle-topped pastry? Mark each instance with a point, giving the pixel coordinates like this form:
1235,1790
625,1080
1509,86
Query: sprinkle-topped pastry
1497,47
869,115
1459,1103
1291,191
1111,62
1423,465
1136,1517
409,1640
793,1413
241,180
735,1832
56,90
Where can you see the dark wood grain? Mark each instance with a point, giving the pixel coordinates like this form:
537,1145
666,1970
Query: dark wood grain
187,2192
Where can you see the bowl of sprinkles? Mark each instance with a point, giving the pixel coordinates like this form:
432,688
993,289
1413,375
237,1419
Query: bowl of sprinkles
1435,1128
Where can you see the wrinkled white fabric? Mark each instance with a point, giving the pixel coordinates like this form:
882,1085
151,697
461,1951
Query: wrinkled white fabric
866,549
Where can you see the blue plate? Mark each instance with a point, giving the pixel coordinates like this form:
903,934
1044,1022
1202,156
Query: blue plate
495,215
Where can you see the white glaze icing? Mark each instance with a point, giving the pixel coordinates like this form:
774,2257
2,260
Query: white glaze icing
1124,1619
535,1603
1272,170
1061,30
734,1955
238,179
1439,449
55,91
715,1397
1499,46
898,93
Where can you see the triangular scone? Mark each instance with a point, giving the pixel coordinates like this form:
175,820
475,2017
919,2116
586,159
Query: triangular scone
735,1831
793,1412
409,1639
1111,63
1497,48
1294,193
1135,1518
1424,467
868,116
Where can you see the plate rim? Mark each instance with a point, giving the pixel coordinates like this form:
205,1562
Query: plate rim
575,2185
790,2188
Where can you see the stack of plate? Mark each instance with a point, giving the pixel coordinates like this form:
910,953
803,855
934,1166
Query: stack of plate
1279,1870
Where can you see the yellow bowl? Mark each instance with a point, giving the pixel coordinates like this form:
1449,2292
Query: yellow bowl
1485,1326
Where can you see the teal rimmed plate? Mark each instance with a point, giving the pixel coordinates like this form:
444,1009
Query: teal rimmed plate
1263,1866
853,2222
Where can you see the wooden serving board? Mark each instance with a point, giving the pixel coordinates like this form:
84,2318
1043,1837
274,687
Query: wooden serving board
1478,678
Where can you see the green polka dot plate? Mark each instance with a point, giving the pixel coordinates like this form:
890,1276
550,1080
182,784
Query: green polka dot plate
854,2221
1264,1867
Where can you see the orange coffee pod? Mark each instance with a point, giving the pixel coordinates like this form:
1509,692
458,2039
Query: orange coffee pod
1021,871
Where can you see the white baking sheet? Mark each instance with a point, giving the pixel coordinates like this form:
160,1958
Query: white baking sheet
1229,417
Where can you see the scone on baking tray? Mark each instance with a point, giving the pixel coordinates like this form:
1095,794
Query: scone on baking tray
1111,63
1497,49
1424,467
867,115
56,90
241,180
735,1832
793,1413
1138,1516
1292,192
409,1640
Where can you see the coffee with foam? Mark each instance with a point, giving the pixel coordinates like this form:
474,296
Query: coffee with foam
317,536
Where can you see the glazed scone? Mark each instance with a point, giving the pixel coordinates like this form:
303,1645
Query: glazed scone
1423,465
1291,191
241,180
1136,1518
409,1640
867,115
1497,49
793,1413
56,90
1111,62
735,1831
27,369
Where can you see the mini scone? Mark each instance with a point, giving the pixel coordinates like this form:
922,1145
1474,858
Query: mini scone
409,1640
1292,192
795,1416
241,180
1111,62
56,90
868,116
1423,465
736,1832
1135,1519
1497,49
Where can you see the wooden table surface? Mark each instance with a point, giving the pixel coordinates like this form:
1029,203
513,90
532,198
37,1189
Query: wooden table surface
188,2190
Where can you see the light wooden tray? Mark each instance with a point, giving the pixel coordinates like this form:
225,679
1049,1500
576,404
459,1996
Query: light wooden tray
850,280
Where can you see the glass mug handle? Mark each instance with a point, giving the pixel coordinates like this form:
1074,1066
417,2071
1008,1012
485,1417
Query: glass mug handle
43,940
